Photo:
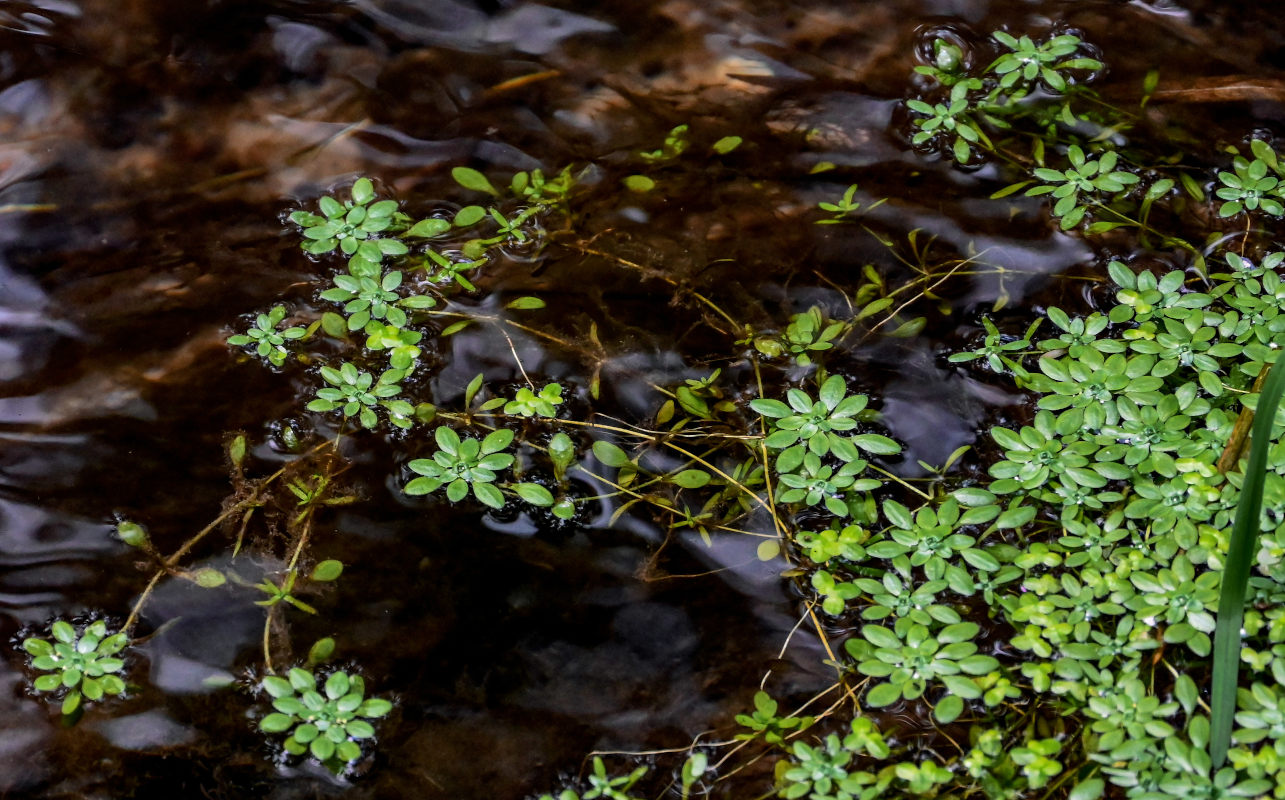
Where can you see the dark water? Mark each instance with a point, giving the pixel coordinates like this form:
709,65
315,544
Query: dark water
147,153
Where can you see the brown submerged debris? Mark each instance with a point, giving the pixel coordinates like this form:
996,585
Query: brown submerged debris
1222,89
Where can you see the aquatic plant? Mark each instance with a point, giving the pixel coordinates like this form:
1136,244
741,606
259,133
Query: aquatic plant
84,664
603,785
1044,612
764,721
327,719
463,464
1235,578
266,340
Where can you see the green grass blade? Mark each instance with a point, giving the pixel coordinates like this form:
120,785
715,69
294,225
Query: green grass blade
1235,579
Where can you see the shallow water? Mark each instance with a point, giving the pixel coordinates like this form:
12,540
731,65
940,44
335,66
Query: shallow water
148,151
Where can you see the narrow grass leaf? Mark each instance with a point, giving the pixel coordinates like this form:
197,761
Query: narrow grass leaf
1235,578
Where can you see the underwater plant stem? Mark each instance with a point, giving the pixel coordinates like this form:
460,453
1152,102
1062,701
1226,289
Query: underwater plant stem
903,482
1240,431
138,606
1235,577
267,641
246,505
303,541
517,360
825,640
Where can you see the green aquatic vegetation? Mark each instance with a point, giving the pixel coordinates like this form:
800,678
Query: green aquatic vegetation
1235,580
356,393
324,572
400,343
834,543
957,120
442,269
808,334
949,124
1037,762
841,208
1076,186
834,594
999,351
265,339
351,225
764,722
1078,334
1045,61
1181,601
534,186
463,464
822,771
527,403
602,785
907,604
83,663
944,657
1147,436
1092,384
947,65
815,483
366,299
701,398
1127,715
1038,453
818,427
1253,184
675,144
929,538
328,719
1048,601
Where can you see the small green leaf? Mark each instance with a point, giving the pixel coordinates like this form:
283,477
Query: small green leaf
334,325
48,683
534,493
564,509
132,534
609,454
469,215
727,144
70,703
37,647
525,304
209,578
908,329
327,570
884,694
276,723
363,191
277,687
948,709
1089,789
472,179
300,679
488,494
691,478
337,685
63,632
639,183
321,651
374,707
236,453
562,450
428,228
